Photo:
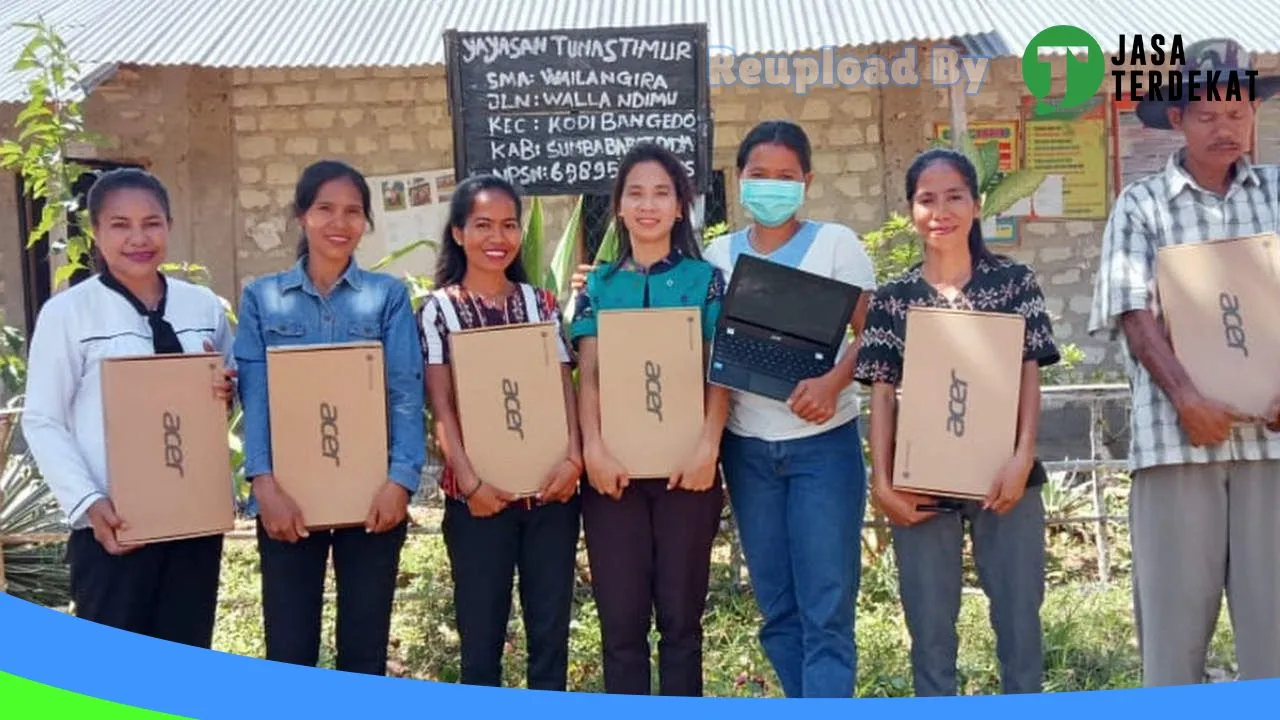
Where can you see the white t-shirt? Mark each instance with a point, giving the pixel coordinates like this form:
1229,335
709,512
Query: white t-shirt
822,248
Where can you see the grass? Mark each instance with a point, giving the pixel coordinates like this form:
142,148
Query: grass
1088,626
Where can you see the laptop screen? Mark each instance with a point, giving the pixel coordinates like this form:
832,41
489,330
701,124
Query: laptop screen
789,301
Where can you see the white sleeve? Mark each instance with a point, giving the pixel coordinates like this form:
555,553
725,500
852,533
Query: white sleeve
54,367
223,336
852,264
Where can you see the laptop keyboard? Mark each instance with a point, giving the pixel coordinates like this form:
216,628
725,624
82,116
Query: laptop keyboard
769,357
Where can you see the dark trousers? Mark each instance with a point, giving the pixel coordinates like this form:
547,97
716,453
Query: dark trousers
166,590
651,549
365,567
484,554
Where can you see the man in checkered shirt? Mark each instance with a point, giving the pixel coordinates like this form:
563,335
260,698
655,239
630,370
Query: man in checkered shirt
1204,489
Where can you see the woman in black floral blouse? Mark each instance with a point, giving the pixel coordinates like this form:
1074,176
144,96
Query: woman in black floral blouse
1007,527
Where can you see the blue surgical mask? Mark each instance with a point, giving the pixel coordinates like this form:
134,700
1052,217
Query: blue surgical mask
771,202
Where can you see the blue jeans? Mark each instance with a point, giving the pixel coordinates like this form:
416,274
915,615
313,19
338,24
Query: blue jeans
799,507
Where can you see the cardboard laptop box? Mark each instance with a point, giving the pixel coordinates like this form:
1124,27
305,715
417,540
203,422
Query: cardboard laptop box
1217,300
329,428
168,459
651,387
510,399
958,412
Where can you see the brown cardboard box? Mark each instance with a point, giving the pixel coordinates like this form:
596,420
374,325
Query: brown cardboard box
510,398
958,413
1218,302
651,387
329,428
168,460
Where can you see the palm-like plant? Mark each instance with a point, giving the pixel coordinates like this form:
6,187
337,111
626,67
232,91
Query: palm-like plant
33,571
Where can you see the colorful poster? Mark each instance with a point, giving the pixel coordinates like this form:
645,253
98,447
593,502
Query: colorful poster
1002,132
407,207
1074,153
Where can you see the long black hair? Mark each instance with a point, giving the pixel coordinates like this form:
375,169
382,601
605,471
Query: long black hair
122,179
777,132
451,263
683,239
314,178
961,164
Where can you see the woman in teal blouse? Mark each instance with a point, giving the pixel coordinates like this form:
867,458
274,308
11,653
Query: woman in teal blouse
649,539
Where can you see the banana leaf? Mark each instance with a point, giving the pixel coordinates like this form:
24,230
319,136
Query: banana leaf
1014,187
531,247
608,251
564,262
967,146
990,154
396,255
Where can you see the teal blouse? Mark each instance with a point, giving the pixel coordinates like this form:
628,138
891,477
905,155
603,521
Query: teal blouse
675,281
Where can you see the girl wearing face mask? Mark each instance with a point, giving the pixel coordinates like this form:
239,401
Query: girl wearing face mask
481,282
167,590
794,470
1007,527
327,298
649,539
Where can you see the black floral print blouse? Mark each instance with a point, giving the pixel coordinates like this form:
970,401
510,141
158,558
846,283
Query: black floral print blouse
998,284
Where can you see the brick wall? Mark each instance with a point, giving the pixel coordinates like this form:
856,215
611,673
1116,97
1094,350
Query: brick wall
175,123
231,144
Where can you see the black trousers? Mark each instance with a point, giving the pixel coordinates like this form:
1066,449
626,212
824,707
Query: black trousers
651,550
166,590
484,554
365,567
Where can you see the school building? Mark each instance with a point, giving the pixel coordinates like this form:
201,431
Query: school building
227,100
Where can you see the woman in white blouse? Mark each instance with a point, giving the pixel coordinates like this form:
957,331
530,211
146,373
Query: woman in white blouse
167,589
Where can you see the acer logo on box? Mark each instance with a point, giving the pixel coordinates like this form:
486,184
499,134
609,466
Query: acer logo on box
329,433
653,388
511,404
957,405
1233,322
173,457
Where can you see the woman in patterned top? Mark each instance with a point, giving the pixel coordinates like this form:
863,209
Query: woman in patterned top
1007,527
481,282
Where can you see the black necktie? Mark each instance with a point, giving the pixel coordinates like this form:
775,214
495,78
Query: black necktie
163,337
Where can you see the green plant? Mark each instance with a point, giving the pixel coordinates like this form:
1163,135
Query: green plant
50,124
33,571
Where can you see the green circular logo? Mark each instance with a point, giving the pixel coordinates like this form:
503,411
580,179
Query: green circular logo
1086,67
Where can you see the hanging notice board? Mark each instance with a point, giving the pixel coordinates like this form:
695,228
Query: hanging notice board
554,111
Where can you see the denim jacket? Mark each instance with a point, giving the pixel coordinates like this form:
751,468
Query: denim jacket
286,309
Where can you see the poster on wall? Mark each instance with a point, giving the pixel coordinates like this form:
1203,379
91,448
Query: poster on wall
1002,132
407,208
1073,153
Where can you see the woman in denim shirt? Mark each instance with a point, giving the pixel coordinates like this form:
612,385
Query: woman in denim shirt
326,297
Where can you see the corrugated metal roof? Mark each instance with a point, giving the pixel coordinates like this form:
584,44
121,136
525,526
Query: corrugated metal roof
1255,24
341,33
400,33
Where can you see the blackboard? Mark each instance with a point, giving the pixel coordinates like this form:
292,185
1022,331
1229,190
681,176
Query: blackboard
554,111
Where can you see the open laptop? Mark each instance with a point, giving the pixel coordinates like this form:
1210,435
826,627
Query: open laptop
779,325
